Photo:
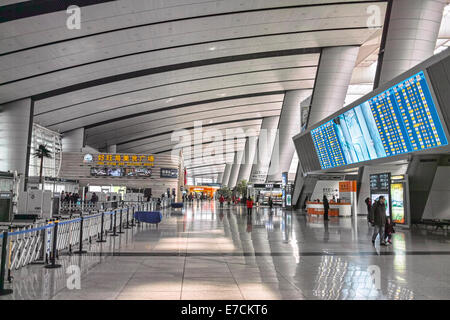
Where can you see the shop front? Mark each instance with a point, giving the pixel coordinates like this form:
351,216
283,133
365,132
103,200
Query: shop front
341,196
208,191
262,192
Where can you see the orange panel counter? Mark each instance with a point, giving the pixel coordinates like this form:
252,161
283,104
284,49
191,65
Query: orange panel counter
341,209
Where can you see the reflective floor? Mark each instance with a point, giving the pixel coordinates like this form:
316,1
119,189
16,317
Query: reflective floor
213,253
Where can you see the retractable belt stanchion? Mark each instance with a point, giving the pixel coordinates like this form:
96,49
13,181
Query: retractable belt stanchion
132,218
111,224
127,226
120,222
80,250
140,208
53,264
114,234
101,229
4,291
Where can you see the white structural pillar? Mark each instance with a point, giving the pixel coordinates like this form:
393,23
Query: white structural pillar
219,177
333,78
235,169
16,125
266,140
411,37
288,126
111,149
226,174
248,158
72,141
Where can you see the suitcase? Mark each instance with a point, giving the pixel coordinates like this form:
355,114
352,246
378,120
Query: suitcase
148,216
177,205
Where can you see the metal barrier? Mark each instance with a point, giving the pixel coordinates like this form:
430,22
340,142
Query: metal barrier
35,243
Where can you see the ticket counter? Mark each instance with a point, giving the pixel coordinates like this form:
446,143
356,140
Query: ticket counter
341,209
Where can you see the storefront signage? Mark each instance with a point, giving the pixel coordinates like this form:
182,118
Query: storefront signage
130,160
169,173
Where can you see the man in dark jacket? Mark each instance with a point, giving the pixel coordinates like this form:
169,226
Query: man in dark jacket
326,207
378,219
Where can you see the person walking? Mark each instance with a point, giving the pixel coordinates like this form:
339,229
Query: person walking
221,200
369,208
378,220
270,201
389,229
326,207
94,198
249,205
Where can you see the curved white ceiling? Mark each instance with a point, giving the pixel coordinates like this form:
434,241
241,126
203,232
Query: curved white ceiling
139,69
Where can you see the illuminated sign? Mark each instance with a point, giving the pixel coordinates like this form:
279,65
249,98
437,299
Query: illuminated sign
130,160
169,173
399,120
398,203
88,158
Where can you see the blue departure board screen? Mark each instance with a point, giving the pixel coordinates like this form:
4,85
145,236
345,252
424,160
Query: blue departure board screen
399,120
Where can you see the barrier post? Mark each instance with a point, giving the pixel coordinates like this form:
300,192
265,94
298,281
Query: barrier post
80,250
127,226
114,234
111,224
132,220
120,222
4,291
101,228
53,264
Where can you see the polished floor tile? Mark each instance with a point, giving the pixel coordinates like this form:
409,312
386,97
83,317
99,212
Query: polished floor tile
209,253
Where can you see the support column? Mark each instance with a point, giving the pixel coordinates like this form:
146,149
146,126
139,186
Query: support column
411,36
235,169
16,126
73,141
219,177
288,126
226,174
111,149
266,140
248,158
333,78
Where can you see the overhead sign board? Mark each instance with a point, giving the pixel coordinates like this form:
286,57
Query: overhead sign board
123,160
399,120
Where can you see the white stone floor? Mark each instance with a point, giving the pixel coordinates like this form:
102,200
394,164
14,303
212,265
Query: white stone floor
213,253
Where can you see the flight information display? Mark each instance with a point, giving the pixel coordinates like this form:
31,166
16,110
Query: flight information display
399,120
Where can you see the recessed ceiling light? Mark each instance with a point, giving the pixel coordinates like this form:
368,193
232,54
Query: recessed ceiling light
212,48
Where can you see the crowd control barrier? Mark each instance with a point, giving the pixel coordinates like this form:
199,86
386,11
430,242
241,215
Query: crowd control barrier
41,242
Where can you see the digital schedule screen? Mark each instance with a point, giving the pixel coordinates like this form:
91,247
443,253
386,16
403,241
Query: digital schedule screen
399,120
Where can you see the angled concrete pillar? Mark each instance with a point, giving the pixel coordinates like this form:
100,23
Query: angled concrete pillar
72,141
111,149
266,140
226,174
235,169
247,158
219,177
16,125
288,126
411,37
333,77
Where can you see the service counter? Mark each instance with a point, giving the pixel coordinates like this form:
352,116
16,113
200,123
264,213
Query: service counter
341,209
